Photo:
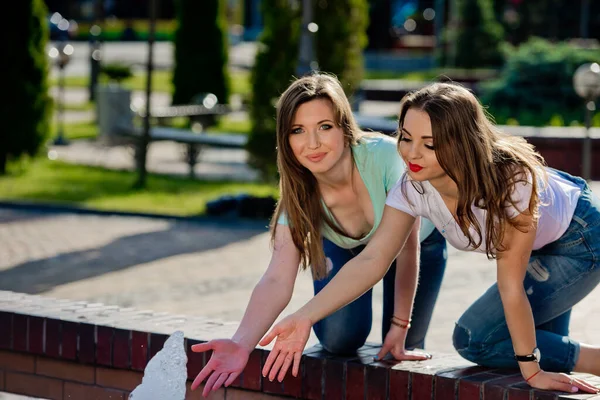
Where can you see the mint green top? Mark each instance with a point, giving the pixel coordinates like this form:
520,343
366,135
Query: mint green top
380,167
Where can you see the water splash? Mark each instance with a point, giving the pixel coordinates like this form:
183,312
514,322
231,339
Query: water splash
166,373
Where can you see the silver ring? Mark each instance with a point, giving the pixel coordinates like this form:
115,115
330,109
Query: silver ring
570,381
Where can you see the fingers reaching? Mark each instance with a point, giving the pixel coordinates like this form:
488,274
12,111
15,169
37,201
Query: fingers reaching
231,378
202,347
201,376
385,349
210,383
269,361
278,363
289,358
576,384
269,337
222,378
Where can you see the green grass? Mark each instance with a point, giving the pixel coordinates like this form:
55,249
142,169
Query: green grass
161,81
77,130
87,106
56,182
228,125
432,74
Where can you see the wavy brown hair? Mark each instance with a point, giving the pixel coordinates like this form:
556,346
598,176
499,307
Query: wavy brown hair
300,197
484,162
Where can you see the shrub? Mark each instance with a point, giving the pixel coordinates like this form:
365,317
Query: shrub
273,71
26,117
536,85
478,36
116,72
200,51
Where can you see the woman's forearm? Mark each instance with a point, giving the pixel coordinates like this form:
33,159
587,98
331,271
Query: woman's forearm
363,271
407,273
520,322
268,300
355,278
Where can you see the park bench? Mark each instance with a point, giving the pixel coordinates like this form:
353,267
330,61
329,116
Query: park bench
194,141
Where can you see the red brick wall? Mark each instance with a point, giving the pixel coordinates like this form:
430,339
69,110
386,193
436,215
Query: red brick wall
72,350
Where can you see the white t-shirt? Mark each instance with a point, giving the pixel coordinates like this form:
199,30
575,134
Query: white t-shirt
558,199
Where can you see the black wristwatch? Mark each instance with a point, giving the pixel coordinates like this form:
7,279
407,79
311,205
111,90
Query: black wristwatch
535,356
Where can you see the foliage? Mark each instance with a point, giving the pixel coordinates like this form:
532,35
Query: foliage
26,116
273,71
536,85
200,51
346,21
116,72
477,38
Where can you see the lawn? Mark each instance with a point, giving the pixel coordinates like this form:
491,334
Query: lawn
89,130
77,130
56,182
161,81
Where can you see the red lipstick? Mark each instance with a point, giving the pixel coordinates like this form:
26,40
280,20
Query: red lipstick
414,167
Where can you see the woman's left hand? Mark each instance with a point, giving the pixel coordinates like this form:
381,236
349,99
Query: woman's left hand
394,343
562,382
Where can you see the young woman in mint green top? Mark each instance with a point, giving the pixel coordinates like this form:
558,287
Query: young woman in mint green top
334,180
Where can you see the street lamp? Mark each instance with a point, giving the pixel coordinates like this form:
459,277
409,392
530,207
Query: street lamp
61,55
307,62
586,82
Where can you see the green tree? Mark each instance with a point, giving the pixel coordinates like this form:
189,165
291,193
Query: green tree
339,44
536,85
200,51
341,39
26,115
478,36
273,71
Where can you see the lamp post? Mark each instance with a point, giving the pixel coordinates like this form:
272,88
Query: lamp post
586,82
61,55
95,58
306,62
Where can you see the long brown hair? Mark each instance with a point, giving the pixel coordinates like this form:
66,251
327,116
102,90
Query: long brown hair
484,162
300,197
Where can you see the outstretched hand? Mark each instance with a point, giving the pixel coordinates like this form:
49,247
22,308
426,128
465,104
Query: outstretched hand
292,334
394,344
225,365
561,382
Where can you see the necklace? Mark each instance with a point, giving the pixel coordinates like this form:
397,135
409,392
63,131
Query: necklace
443,230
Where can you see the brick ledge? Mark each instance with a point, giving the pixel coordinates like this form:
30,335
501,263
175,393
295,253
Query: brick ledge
72,349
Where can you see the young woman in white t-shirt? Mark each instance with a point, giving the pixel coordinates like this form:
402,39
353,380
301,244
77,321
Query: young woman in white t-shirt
490,192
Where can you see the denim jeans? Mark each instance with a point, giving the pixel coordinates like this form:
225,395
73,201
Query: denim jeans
346,330
559,275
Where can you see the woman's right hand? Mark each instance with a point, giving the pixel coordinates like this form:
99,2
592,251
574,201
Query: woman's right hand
226,363
292,333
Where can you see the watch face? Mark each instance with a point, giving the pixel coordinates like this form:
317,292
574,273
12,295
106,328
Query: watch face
537,354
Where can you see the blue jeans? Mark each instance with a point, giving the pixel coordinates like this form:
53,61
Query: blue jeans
346,330
559,275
